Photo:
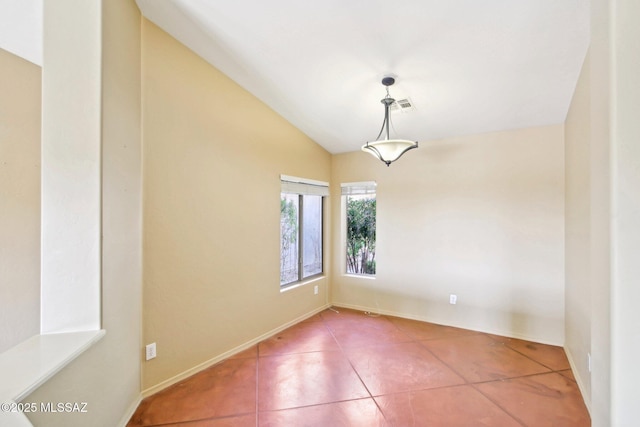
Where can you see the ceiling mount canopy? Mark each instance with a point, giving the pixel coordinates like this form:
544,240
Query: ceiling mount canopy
388,150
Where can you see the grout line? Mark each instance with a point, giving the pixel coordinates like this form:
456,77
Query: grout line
527,356
518,420
551,370
257,381
353,367
341,319
195,420
498,380
312,405
445,363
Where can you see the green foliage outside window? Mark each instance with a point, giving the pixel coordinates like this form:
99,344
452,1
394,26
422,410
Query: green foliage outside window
288,240
361,235
300,237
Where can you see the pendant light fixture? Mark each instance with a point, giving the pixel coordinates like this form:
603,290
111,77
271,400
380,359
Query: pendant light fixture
388,150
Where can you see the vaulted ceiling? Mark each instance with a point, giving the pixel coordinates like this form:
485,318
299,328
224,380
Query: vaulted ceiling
467,66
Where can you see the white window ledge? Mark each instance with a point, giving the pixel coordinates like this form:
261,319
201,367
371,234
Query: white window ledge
360,276
28,365
14,419
304,282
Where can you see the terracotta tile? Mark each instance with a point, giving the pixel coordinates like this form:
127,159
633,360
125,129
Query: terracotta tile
315,318
459,406
249,420
250,353
400,367
395,358
366,331
480,358
287,381
551,356
228,388
340,314
568,373
301,338
352,413
426,331
540,400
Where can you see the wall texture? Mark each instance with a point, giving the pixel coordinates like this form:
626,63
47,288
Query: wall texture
603,205
578,231
625,294
599,126
213,155
71,144
20,110
107,376
479,216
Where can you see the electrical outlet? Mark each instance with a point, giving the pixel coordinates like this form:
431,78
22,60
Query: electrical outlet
453,299
315,290
150,351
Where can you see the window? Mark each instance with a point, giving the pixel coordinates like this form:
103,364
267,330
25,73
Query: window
301,229
360,205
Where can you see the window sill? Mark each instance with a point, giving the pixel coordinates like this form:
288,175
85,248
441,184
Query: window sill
305,282
14,419
360,276
28,365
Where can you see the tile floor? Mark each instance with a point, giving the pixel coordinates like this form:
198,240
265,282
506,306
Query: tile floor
348,369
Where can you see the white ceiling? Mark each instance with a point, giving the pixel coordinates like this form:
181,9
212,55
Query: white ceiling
469,66
21,28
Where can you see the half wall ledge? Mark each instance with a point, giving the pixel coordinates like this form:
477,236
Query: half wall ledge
28,365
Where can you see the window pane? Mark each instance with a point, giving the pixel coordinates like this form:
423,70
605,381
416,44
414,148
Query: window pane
311,235
361,234
288,238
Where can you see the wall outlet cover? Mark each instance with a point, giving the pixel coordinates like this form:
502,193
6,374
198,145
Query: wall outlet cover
150,351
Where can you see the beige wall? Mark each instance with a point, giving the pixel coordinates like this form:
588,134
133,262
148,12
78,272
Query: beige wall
604,113
578,231
107,376
70,204
213,155
19,199
600,211
625,294
479,216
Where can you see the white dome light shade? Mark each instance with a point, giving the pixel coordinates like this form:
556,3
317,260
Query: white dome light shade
389,150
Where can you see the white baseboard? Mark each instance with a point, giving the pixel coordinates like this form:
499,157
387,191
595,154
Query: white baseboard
579,381
130,411
509,334
208,363
586,397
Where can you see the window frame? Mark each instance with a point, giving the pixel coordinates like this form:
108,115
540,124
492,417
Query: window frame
304,187
354,189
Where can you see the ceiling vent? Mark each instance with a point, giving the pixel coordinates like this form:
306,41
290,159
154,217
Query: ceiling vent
404,105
